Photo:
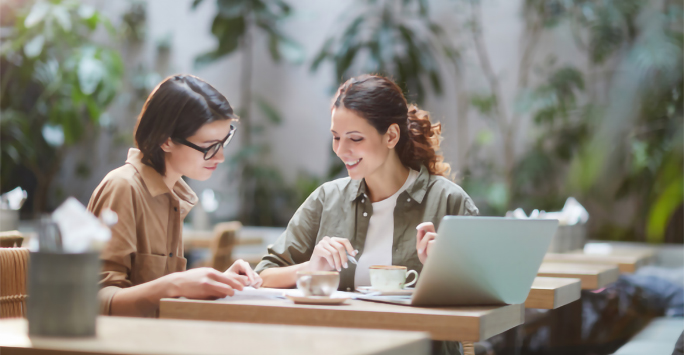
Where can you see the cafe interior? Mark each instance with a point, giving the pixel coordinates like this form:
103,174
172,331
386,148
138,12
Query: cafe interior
353,177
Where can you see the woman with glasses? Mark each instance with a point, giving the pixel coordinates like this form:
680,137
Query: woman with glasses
182,130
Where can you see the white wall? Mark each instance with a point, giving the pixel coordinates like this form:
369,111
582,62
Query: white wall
302,143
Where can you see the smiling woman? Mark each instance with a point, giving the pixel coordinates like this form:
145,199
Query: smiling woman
182,130
396,185
386,211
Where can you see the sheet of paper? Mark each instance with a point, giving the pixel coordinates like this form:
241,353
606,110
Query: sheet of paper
250,293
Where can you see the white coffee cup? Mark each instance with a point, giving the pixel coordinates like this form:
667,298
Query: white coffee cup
390,277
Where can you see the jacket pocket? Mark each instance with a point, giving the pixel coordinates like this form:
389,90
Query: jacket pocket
177,264
147,267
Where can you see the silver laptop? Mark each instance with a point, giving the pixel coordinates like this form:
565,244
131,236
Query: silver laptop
480,261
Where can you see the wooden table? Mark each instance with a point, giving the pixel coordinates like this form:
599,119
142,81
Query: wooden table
627,262
194,239
593,276
553,292
119,335
466,324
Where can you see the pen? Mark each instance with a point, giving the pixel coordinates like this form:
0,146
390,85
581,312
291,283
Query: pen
351,258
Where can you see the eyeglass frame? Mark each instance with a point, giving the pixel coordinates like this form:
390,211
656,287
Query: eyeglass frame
222,143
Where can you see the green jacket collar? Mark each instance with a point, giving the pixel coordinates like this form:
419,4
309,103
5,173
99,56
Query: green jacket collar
417,190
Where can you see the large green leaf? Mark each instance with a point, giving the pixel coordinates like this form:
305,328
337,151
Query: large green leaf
292,51
61,14
90,72
53,135
195,3
323,54
663,210
229,31
37,14
34,47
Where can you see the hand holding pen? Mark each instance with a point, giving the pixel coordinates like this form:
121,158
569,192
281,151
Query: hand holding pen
332,254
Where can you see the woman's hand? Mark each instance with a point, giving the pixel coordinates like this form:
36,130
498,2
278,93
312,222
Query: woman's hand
425,239
331,254
242,268
205,283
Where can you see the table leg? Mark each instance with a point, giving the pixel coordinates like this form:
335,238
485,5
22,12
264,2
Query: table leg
468,348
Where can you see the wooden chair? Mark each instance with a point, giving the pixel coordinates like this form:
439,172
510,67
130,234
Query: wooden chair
11,239
13,280
225,235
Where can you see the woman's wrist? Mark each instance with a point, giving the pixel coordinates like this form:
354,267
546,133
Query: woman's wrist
167,286
282,277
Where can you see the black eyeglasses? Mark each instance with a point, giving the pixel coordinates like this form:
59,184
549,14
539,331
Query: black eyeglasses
214,148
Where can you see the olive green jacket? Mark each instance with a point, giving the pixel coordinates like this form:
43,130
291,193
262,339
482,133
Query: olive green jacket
341,208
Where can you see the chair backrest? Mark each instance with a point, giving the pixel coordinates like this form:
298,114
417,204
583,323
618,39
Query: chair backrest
9,239
225,235
13,280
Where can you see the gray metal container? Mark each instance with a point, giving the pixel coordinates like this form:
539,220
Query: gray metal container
62,294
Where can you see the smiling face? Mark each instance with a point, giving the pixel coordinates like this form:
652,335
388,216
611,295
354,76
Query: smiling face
358,144
186,161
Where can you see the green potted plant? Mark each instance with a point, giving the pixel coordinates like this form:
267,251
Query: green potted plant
56,83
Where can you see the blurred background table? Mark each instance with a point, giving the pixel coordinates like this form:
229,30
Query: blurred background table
592,276
210,248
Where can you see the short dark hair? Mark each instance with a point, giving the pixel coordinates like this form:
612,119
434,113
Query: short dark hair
177,108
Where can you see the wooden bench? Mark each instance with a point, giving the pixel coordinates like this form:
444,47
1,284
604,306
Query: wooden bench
626,262
553,292
592,276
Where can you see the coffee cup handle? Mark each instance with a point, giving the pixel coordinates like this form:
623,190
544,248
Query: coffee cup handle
415,278
303,284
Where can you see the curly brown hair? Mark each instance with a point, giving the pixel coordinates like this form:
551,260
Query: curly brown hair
380,101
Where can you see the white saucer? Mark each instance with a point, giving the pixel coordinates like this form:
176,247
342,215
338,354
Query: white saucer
318,300
370,289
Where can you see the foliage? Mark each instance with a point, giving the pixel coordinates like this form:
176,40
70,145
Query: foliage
393,38
235,19
605,149
264,194
563,125
627,145
134,20
56,84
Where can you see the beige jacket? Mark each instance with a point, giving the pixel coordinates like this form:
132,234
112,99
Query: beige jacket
146,242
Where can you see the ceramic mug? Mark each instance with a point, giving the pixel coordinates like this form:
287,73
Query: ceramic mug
390,277
318,283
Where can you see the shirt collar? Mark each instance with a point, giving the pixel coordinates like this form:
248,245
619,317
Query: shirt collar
357,188
154,181
417,190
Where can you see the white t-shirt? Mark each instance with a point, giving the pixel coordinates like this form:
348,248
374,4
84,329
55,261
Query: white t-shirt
377,249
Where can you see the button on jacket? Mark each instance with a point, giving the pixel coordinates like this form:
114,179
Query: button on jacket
146,242
342,209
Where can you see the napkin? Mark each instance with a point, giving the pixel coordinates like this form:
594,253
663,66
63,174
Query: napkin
81,230
572,213
14,199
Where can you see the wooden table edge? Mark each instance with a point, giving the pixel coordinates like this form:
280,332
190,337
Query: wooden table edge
514,311
568,292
